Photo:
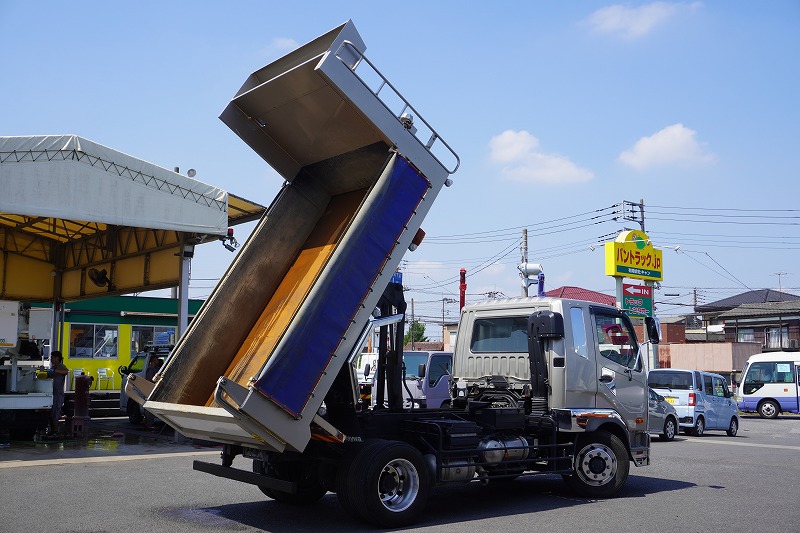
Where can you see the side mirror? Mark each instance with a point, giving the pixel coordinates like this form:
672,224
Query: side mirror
366,370
123,370
653,327
421,370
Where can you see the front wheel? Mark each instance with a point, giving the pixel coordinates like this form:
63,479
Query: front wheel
386,483
134,413
670,429
601,465
733,428
768,409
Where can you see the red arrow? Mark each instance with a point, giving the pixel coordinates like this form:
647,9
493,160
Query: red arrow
638,290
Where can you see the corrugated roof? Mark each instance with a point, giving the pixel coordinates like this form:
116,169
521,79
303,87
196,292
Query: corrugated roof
750,310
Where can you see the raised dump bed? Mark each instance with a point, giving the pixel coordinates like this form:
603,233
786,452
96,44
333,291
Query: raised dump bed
361,170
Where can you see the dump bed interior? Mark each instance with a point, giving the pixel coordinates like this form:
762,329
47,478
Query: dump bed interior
258,359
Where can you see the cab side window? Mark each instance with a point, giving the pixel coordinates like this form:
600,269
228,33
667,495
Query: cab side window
441,365
615,341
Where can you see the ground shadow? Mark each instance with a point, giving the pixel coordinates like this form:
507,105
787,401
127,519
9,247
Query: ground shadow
447,505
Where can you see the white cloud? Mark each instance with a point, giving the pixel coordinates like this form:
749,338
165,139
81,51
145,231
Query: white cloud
673,144
633,22
279,46
522,161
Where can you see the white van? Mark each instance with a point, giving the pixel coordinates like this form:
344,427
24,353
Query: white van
702,399
770,384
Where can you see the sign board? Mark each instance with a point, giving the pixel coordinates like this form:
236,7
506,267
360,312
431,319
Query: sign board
632,255
397,277
637,300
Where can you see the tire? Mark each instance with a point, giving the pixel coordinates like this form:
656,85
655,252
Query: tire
699,427
355,451
733,428
134,413
670,429
768,409
308,488
386,483
601,465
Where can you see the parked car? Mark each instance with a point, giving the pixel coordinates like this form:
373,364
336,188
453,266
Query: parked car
138,366
702,400
663,420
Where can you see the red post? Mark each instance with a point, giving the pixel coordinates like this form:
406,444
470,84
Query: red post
462,287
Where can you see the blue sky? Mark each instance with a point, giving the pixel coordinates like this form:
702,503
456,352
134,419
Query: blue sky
558,110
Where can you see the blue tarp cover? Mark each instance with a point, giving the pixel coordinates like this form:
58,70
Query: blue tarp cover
299,361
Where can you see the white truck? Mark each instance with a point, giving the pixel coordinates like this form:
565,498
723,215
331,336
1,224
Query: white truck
25,401
426,378
267,366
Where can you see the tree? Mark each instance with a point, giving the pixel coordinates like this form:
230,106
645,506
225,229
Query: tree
416,333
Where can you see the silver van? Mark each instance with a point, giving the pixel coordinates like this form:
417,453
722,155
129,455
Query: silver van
702,399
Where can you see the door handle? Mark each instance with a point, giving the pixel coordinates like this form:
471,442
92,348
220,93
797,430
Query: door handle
606,379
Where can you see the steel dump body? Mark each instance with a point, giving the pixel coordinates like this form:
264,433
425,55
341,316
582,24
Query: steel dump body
257,361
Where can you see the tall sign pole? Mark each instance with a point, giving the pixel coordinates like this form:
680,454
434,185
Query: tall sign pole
632,255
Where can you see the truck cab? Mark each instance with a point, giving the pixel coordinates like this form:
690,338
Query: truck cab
427,379
595,367
138,367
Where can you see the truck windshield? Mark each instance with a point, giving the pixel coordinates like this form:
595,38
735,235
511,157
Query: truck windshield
500,334
412,360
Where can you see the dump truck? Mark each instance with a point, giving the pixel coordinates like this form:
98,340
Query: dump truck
267,366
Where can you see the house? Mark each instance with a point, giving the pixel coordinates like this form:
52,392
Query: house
773,325
734,329
767,317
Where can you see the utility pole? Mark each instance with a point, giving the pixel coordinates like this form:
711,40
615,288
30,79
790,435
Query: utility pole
411,329
633,216
780,287
524,259
641,212
444,301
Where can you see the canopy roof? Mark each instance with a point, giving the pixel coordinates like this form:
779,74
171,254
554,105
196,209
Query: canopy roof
70,205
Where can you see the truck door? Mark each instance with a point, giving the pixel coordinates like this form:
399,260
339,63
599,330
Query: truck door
622,376
437,380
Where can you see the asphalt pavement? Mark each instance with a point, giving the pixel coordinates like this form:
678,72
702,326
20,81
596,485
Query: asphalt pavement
114,436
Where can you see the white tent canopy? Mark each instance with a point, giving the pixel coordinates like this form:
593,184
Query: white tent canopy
66,176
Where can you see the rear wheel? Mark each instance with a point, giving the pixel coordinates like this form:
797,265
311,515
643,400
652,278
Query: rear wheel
303,473
601,465
134,413
386,483
670,429
768,409
699,427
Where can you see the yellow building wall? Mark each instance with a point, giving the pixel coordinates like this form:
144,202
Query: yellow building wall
89,366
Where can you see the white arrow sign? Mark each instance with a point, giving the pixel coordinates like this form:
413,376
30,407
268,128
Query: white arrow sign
638,290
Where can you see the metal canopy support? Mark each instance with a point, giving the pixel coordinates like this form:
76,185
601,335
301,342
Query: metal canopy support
183,297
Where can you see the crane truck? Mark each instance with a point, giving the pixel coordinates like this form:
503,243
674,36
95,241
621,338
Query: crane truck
267,367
